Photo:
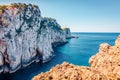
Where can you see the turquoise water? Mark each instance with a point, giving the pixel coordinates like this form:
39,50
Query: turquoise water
77,51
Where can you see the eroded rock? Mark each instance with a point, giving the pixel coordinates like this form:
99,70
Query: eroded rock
105,65
26,36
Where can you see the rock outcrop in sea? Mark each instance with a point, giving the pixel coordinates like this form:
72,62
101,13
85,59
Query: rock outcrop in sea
26,36
67,33
105,65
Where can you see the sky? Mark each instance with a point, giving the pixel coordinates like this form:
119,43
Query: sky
80,15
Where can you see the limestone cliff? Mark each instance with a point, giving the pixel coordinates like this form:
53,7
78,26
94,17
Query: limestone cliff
67,32
105,65
25,36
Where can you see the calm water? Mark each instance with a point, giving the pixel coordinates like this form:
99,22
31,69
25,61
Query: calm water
77,51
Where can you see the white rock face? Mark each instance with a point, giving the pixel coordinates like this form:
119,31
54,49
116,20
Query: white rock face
26,37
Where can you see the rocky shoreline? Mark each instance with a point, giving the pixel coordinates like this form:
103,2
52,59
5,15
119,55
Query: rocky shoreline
105,65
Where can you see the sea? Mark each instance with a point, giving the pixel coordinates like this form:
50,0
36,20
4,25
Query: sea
77,51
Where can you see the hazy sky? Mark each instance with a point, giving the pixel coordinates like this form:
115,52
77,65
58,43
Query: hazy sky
80,15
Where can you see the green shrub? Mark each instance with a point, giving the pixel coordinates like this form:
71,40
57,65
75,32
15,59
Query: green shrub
14,4
34,6
2,7
0,11
64,29
19,5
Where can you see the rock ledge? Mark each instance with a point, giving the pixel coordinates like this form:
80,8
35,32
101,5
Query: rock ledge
105,65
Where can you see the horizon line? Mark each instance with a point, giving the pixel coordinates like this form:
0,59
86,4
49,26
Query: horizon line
92,32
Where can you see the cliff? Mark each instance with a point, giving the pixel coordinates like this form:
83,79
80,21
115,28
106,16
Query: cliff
67,32
105,65
25,36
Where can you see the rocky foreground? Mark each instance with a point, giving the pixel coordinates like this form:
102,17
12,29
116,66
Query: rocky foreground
105,65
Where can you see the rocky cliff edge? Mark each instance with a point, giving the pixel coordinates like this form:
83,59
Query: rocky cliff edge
105,65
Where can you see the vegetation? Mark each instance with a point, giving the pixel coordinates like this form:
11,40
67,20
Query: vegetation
23,5
2,7
18,5
64,28
34,6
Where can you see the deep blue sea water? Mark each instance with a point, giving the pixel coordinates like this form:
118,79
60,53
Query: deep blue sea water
77,51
